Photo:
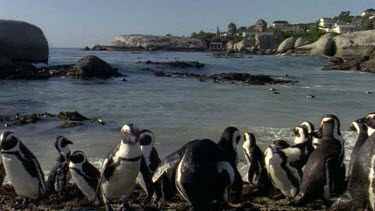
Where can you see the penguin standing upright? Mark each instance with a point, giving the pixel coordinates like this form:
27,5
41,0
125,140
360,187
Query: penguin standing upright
120,167
360,127
59,176
228,143
84,175
256,172
150,160
309,127
323,171
22,168
360,192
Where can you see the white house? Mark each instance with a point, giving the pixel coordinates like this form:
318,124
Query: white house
368,13
326,24
279,24
345,28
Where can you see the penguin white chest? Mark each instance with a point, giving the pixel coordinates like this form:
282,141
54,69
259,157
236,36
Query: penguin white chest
24,184
82,184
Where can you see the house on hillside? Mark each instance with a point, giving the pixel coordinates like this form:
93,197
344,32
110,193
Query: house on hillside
368,13
279,24
326,24
342,28
260,25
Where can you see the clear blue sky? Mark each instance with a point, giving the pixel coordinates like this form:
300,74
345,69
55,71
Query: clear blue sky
78,23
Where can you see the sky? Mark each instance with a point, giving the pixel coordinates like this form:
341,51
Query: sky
80,23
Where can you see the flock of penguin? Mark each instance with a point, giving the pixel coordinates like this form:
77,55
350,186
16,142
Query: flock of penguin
205,173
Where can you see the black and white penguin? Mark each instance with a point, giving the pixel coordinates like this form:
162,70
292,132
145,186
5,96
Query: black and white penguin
360,191
59,176
151,160
361,128
228,143
84,175
204,180
308,134
22,168
324,175
120,167
302,148
282,174
256,172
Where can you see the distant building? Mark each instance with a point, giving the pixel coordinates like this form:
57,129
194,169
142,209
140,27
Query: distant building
216,46
260,25
341,28
326,24
279,24
368,13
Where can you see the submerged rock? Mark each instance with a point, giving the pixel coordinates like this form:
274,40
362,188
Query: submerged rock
175,64
77,118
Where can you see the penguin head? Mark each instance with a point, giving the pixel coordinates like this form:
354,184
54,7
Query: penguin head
330,127
369,120
77,157
8,141
130,134
249,140
147,142
308,126
61,144
301,134
358,125
280,144
230,138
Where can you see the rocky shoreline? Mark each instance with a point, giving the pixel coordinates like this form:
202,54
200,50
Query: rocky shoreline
139,201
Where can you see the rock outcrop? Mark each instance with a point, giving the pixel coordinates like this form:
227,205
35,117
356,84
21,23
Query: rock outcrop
322,47
265,41
287,44
356,44
93,67
22,42
301,41
243,45
152,42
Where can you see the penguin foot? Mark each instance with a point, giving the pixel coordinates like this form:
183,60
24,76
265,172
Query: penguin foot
23,205
125,206
108,207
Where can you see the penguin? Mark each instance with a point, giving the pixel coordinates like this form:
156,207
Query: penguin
22,168
2,173
59,176
120,168
360,191
360,127
228,143
84,175
203,180
282,174
256,172
309,130
150,160
323,173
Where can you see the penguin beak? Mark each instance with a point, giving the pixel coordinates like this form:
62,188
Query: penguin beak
129,139
317,133
69,141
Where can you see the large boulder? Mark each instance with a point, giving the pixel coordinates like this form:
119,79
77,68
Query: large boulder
22,42
322,47
301,41
153,42
230,45
243,45
265,41
285,45
356,44
93,67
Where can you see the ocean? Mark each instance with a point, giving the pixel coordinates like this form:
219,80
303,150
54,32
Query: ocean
178,110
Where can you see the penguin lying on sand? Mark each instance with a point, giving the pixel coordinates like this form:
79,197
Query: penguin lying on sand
22,169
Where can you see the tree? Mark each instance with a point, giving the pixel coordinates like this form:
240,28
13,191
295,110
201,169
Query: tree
367,24
232,29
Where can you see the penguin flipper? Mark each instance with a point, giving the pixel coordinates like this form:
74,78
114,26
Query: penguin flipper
170,163
146,175
104,167
328,187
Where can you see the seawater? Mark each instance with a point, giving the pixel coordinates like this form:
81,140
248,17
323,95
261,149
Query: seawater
181,109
